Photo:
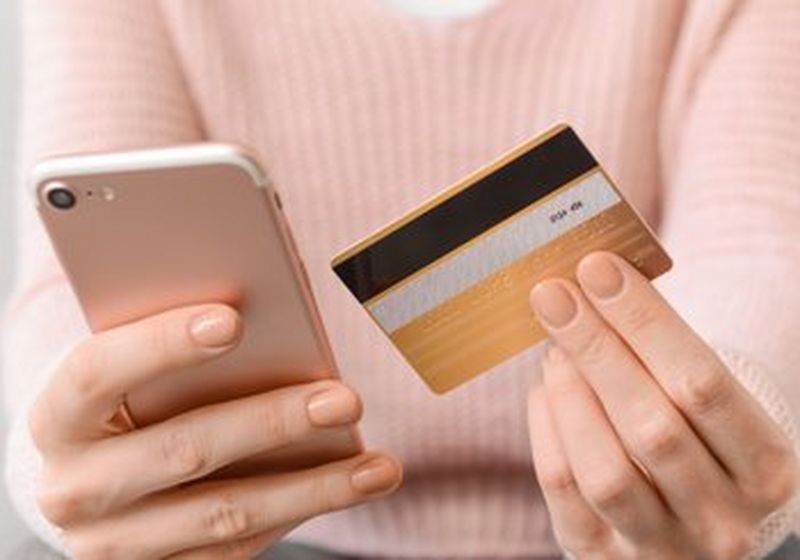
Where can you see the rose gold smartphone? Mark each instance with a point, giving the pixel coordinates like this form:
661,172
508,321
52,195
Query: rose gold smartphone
141,232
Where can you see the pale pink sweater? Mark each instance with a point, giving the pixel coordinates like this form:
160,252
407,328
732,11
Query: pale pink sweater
360,112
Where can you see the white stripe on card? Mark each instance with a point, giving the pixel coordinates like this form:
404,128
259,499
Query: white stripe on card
522,234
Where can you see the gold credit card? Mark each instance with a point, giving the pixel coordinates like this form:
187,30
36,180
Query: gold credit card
448,283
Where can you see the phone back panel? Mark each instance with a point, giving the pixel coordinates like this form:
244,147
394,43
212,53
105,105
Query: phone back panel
206,228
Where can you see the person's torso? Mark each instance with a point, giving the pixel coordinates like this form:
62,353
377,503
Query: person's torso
360,112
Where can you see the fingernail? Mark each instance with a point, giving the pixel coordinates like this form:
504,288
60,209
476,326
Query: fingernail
553,303
214,329
600,276
556,355
333,407
375,476
555,370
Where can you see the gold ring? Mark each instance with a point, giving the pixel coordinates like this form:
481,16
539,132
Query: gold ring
122,421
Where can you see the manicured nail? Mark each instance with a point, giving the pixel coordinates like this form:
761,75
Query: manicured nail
553,303
556,355
557,366
215,329
375,476
600,276
333,407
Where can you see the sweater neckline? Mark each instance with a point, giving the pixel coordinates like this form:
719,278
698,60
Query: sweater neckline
442,11
453,24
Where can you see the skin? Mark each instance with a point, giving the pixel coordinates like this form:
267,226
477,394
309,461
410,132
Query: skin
145,493
644,444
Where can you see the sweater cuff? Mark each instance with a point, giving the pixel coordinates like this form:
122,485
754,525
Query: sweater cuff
780,524
23,471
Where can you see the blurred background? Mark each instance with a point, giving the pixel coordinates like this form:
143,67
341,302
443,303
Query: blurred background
11,531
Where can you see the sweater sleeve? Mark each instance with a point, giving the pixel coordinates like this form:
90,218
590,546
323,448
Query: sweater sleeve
731,169
96,76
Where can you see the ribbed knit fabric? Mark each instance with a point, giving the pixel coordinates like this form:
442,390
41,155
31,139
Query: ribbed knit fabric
360,112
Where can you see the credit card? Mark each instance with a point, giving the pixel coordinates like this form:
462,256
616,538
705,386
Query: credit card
448,282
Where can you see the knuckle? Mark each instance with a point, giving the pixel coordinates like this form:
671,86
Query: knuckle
731,543
779,482
228,520
658,436
162,341
639,317
330,490
276,421
62,504
558,479
782,487
704,386
322,495
595,345
83,368
608,488
185,453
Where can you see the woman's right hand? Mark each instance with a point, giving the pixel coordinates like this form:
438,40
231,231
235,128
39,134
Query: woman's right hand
124,494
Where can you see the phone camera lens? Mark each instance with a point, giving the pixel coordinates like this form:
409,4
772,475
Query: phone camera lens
61,198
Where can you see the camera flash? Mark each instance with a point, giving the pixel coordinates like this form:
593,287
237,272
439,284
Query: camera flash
108,194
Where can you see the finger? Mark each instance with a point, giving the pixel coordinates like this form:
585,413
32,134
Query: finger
576,525
217,512
242,549
192,446
91,383
651,429
726,416
612,485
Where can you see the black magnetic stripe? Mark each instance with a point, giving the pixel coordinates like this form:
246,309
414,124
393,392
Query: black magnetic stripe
472,211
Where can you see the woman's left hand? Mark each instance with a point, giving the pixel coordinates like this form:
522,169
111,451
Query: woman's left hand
644,444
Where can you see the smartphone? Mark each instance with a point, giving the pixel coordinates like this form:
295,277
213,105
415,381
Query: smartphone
140,232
